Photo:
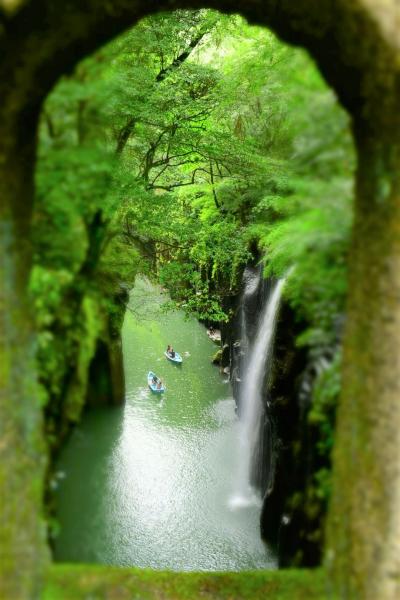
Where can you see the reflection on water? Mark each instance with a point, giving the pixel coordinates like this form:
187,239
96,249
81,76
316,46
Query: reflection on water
148,484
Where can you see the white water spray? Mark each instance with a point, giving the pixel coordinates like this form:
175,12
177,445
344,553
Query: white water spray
251,399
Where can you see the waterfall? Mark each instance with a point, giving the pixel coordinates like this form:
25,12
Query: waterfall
250,400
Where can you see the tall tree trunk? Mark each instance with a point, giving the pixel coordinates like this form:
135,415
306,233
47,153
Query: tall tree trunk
23,552
363,548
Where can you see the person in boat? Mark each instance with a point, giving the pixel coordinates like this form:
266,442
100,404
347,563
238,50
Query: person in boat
154,380
171,351
159,384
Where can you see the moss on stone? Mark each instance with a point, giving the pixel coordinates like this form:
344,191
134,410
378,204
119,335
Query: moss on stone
89,332
67,582
217,357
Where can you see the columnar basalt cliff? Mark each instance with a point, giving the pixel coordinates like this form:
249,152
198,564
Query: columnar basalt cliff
106,379
293,515
92,374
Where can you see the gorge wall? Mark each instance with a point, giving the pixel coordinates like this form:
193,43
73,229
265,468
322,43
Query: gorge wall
80,365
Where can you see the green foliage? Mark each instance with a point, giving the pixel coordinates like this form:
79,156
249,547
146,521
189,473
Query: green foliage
75,284
314,240
303,219
325,397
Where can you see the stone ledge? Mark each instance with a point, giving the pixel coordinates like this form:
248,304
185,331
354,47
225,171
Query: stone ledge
98,582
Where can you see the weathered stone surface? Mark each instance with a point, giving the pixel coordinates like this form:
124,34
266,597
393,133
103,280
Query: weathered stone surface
356,46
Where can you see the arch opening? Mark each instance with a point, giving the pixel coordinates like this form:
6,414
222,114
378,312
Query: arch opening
171,153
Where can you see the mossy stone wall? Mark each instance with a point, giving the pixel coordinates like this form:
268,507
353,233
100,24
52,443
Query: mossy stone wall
358,53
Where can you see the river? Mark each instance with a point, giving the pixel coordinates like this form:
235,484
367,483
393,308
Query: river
148,484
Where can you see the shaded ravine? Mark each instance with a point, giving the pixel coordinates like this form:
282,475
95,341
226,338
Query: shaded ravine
148,484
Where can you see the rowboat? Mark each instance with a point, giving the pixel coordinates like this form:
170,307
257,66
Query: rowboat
154,385
176,359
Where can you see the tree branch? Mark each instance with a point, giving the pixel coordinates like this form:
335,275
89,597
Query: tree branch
179,60
127,130
124,135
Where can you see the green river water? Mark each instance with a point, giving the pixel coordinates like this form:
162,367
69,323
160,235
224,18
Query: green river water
148,484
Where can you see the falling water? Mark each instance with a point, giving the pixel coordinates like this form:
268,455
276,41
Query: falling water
251,398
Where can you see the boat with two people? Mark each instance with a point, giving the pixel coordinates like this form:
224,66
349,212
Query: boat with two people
155,383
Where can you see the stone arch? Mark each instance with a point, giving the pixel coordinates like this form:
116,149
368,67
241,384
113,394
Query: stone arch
357,48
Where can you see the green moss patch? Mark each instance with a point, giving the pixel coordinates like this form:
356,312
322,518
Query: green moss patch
95,582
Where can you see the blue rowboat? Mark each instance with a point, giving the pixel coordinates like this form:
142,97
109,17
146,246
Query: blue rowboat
176,359
155,383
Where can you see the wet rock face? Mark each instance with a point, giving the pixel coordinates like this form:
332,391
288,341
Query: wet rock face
106,375
255,288
106,379
288,477
293,513
243,327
